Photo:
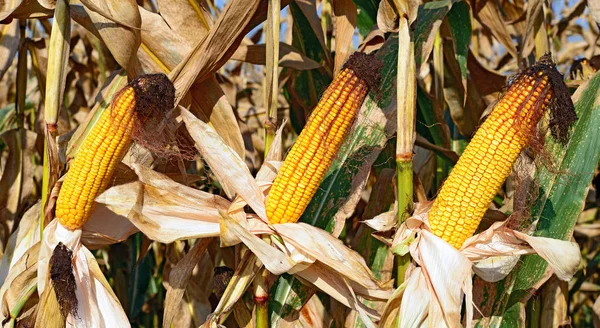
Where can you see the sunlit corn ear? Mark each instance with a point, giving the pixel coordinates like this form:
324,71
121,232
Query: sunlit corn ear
488,159
103,148
318,143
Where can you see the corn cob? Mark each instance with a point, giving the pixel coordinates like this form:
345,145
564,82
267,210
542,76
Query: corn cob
316,147
488,159
106,144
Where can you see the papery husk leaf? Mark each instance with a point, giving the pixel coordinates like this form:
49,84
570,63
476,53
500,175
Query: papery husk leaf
415,302
491,17
384,221
211,105
336,286
448,271
321,245
162,48
164,210
562,256
58,56
53,234
372,42
499,249
229,168
387,16
273,259
313,314
392,306
98,306
105,228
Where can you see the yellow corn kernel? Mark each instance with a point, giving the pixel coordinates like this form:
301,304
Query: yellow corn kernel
103,148
488,159
318,143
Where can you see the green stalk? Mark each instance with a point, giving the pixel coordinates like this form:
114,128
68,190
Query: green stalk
58,56
272,27
406,100
16,310
271,68
261,299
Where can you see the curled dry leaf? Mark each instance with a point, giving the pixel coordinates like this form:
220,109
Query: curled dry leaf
387,17
373,41
491,19
10,10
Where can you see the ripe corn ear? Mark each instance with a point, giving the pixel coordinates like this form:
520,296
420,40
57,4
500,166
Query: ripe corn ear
102,150
488,159
318,143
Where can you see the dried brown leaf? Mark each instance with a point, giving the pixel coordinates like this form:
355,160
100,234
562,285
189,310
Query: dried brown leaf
10,10
387,17
9,43
210,105
161,50
594,8
309,9
288,56
490,18
122,40
190,19
16,182
345,24
216,48
178,280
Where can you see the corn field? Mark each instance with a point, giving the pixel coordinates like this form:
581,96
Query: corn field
299,163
